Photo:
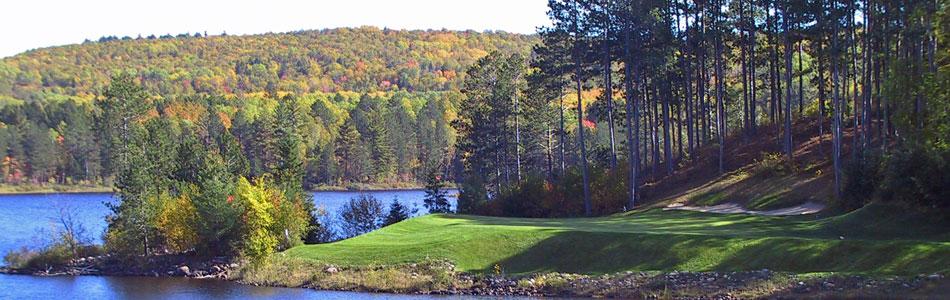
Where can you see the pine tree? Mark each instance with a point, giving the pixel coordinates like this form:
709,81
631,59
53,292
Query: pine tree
435,200
349,151
382,154
122,108
397,213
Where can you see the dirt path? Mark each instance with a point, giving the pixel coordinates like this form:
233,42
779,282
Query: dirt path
733,208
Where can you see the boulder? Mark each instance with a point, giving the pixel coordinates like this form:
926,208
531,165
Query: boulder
184,270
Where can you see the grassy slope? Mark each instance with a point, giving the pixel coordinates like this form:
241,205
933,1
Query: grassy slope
697,182
654,240
875,240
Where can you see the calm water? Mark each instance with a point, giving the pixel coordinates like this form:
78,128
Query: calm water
27,219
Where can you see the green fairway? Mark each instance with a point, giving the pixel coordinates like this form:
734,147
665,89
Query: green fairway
865,241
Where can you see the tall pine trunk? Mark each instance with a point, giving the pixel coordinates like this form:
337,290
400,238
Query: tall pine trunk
788,82
633,117
608,88
720,108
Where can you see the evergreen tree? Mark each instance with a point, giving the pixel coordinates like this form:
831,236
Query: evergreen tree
220,217
397,213
348,151
290,172
42,156
361,215
435,200
122,108
264,145
233,155
382,153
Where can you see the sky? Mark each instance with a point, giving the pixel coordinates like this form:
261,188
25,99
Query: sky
30,24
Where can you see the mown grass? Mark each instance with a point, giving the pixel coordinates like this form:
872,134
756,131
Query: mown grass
873,240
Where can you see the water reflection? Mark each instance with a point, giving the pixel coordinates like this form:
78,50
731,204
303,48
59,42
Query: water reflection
96,287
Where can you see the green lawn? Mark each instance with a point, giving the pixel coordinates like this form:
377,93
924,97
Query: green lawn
870,240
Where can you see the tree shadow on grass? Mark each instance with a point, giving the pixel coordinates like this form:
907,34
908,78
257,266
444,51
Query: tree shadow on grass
598,253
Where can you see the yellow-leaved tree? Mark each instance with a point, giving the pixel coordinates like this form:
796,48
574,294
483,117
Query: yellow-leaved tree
260,239
177,220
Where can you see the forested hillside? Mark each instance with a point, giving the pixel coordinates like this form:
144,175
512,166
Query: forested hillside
374,105
684,86
347,59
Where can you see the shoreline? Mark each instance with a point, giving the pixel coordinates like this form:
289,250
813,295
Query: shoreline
628,284
31,189
46,190
167,265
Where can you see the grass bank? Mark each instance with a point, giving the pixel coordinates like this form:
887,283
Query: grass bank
873,240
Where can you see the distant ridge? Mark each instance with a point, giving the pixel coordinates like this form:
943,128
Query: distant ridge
364,59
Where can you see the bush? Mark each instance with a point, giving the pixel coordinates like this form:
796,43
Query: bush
861,180
472,195
911,174
219,216
360,215
772,164
67,242
523,200
538,196
292,221
917,175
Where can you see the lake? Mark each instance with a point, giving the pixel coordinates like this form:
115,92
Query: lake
26,219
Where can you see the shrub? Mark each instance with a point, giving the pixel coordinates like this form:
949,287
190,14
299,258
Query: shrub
472,195
25,258
132,228
67,242
861,179
772,164
523,200
19,258
917,175
539,196
360,215
291,221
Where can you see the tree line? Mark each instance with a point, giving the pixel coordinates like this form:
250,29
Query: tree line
384,139
621,90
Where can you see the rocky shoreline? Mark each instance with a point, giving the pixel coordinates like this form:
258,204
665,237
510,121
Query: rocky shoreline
154,266
647,285
701,285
